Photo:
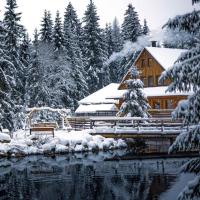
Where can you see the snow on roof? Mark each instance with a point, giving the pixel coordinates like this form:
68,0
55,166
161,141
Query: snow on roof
161,91
166,57
154,92
95,108
102,96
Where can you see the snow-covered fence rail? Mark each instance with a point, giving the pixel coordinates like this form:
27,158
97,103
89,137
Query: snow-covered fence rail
139,125
128,124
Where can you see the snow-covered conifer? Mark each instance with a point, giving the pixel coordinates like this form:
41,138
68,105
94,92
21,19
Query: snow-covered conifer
6,104
94,52
72,40
13,36
46,27
116,36
135,103
58,33
25,57
131,27
145,30
185,76
109,40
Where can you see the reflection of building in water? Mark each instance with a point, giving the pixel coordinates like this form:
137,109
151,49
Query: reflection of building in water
51,179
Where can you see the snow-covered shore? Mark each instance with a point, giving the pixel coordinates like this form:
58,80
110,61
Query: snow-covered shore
23,143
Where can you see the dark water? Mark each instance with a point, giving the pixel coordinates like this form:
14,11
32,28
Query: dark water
88,177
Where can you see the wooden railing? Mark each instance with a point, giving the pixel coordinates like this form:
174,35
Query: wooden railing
133,124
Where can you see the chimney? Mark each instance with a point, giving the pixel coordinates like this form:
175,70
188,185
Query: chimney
154,43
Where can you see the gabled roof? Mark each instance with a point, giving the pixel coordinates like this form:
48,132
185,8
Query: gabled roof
101,96
166,57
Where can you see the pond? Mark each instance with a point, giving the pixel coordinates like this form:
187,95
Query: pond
90,177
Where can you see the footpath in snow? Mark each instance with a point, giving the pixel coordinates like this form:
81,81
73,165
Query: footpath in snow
23,143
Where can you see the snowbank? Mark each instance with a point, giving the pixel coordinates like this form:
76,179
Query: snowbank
75,141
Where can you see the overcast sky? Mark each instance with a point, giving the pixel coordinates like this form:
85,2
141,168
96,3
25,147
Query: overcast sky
157,12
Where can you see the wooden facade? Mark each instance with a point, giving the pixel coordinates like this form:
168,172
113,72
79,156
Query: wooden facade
150,70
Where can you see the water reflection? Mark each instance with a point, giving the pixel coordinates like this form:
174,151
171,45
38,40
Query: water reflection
86,177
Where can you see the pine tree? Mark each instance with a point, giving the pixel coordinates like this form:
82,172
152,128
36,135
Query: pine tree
185,76
145,30
182,31
34,79
135,103
25,57
94,52
6,104
58,33
46,28
116,36
13,36
109,40
131,27
72,41
36,38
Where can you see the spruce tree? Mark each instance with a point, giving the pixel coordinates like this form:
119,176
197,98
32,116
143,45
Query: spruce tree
109,40
116,36
72,41
46,27
145,30
185,77
58,33
131,27
6,104
71,18
135,103
13,36
25,57
94,52
34,79
36,38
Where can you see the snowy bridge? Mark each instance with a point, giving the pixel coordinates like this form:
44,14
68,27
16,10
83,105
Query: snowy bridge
130,127
158,133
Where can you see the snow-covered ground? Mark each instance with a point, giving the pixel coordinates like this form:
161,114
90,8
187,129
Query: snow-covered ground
22,143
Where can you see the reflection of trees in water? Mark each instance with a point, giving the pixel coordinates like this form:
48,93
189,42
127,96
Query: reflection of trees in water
99,181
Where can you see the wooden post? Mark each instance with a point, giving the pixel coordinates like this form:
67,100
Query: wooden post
53,133
162,126
91,124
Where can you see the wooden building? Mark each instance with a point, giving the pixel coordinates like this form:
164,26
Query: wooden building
151,62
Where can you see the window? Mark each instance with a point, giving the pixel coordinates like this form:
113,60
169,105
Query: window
143,63
150,81
159,83
157,105
150,62
169,104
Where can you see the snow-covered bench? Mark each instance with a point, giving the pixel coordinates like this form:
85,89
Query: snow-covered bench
42,130
44,127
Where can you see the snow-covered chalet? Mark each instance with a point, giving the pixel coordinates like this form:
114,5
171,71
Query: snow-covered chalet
151,62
